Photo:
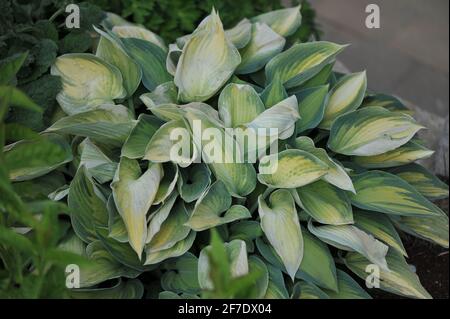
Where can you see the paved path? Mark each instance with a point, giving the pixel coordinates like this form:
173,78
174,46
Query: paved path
408,57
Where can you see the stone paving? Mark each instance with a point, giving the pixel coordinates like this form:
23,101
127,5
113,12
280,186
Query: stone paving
408,56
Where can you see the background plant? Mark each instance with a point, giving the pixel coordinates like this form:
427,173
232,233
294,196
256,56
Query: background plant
346,181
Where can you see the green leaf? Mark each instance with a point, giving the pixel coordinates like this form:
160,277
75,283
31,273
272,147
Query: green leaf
108,124
348,288
351,238
110,50
274,93
239,104
137,141
238,177
100,166
29,159
240,34
325,203
312,103
263,46
137,32
88,82
388,102
207,62
380,226
193,182
434,229
291,169
134,193
10,66
281,226
87,206
285,22
400,280
317,264
167,184
17,98
179,249
336,174
236,254
165,93
257,265
307,290
371,131
181,276
213,209
386,193
276,288
405,154
423,180
346,96
152,60
301,62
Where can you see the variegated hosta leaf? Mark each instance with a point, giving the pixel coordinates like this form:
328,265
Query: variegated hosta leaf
109,49
380,226
281,226
312,103
159,216
423,180
284,21
274,93
29,159
240,34
173,56
351,238
111,20
346,96
238,177
237,255
257,265
239,104
434,229
171,232
276,288
152,60
87,206
371,131
179,249
100,166
348,288
326,203
181,276
317,264
107,124
388,102
281,117
291,169
263,46
88,82
134,193
336,174
167,184
210,207
137,141
301,62
193,182
386,193
165,93
247,230
207,62
131,289
161,147
324,77
405,154
400,280
102,267
116,226
122,251
307,290
132,31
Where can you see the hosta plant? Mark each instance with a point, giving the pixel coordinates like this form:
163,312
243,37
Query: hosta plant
305,221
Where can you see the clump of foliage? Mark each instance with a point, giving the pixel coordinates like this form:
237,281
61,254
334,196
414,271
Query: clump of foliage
345,182
38,27
173,18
